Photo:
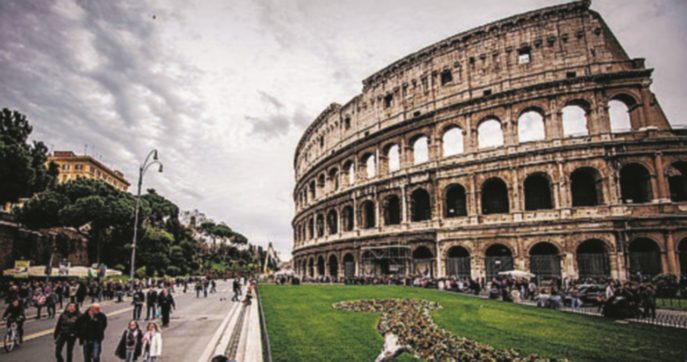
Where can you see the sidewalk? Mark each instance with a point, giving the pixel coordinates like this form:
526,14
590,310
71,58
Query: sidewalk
238,337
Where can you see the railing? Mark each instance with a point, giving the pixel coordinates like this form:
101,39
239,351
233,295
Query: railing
267,349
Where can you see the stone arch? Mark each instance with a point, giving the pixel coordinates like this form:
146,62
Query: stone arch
586,187
455,201
333,222
347,216
311,267
370,163
497,258
623,112
593,259
334,177
489,133
349,167
420,146
319,225
420,205
635,184
495,197
391,207
677,181
320,266
311,228
575,118
545,260
423,261
531,125
349,265
458,262
644,257
392,152
367,214
452,141
333,266
682,255
538,192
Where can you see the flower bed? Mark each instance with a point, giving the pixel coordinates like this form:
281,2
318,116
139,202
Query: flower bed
411,321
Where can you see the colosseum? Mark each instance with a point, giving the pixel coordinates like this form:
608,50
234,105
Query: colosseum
531,143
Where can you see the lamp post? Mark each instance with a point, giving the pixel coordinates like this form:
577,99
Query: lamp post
141,171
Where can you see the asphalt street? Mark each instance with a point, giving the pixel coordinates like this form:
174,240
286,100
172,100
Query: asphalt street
191,328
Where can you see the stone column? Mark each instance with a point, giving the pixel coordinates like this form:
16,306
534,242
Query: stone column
663,191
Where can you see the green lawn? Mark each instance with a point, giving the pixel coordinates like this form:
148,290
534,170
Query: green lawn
303,326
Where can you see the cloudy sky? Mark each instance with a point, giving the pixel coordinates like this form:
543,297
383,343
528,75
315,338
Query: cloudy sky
225,88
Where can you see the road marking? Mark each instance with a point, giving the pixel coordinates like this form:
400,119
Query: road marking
49,331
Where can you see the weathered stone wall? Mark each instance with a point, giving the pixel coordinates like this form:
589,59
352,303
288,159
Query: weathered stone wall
575,61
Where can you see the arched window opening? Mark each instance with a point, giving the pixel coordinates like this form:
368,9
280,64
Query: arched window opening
420,150
531,127
682,251
420,208
320,266
619,115
489,134
677,180
494,197
635,184
370,166
538,192
452,142
423,262
334,176
311,267
311,229
392,210
458,262
592,260
333,266
574,121
349,265
368,214
320,225
393,158
645,258
321,183
586,187
545,261
498,258
350,168
455,201
333,222
347,214
313,190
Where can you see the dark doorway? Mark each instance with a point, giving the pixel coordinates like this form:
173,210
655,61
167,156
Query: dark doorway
592,259
420,208
494,197
538,192
586,187
498,258
635,184
455,201
458,262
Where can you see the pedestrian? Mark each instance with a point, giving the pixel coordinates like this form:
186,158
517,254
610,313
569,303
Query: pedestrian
236,286
206,285
199,287
166,303
66,332
129,347
151,301
91,326
81,293
152,343
50,301
213,286
39,302
137,300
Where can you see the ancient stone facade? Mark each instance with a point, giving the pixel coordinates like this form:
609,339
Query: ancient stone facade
530,143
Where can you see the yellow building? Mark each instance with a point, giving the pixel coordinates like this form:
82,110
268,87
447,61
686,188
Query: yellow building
72,166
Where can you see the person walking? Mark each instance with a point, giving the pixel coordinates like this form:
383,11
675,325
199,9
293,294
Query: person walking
199,287
152,343
66,332
236,286
151,301
50,301
137,300
81,292
166,303
129,347
39,302
206,286
91,326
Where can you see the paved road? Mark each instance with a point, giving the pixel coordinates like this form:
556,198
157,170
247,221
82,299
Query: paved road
191,327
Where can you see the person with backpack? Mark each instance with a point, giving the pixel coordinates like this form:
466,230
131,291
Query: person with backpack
151,302
131,343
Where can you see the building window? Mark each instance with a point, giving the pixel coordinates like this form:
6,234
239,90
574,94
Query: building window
388,100
446,77
78,167
524,56
347,122
65,167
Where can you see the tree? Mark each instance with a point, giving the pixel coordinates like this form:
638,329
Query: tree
23,170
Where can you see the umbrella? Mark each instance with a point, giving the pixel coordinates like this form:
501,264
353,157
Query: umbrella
517,274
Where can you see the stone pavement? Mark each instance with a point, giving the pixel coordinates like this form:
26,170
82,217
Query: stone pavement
238,338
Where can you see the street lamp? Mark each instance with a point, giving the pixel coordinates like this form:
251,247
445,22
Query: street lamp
141,171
